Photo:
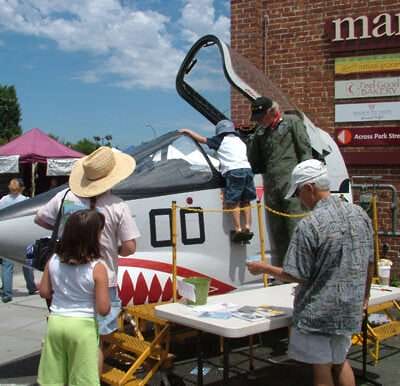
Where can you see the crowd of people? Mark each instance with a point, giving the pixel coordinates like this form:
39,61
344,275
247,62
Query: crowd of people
329,253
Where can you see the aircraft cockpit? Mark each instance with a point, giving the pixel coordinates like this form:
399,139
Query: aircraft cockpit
212,65
173,163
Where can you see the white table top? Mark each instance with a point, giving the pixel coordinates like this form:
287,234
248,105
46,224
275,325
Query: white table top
280,296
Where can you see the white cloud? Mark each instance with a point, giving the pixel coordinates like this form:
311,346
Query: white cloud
133,45
198,18
88,77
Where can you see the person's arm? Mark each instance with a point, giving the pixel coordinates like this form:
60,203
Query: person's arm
39,221
301,141
370,275
127,248
257,267
127,231
46,216
102,298
45,288
255,153
194,135
369,239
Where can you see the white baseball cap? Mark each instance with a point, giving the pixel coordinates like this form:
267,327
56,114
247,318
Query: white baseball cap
306,171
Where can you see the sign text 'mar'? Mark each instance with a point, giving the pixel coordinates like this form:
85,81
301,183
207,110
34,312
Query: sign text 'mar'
364,32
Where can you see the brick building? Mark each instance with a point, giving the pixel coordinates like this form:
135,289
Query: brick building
294,43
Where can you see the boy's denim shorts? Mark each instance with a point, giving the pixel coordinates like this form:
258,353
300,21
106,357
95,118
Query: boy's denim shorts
109,323
239,186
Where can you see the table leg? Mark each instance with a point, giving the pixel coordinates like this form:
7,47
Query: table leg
251,353
199,359
364,375
226,361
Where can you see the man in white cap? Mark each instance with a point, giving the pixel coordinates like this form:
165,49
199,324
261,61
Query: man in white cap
331,256
90,182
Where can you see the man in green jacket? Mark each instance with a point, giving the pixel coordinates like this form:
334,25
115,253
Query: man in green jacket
279,143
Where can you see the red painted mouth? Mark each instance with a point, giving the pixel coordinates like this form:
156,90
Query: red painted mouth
140,292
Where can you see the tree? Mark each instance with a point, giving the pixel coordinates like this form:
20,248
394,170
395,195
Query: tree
85,146
10,114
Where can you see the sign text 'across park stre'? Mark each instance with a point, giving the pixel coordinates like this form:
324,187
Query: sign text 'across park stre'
368,136
348,33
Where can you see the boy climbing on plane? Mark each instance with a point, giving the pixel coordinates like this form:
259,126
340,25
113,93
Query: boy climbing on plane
236,170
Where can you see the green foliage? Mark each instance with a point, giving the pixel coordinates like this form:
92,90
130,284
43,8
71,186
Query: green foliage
55,137
395,282
10,114
10,117
85,146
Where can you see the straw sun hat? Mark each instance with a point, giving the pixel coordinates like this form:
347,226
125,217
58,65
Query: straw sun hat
100,171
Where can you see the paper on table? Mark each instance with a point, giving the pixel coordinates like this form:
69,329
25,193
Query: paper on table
250,259
216,307
186,290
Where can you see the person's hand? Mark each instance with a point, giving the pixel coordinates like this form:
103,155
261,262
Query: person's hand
185,131
256,267
365,305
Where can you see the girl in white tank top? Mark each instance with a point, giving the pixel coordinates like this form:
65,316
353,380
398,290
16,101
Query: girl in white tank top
77,283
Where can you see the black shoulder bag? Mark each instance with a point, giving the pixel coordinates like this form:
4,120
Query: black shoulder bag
45,247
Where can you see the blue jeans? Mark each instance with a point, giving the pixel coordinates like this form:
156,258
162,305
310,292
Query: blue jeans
7,278
109,323
239,186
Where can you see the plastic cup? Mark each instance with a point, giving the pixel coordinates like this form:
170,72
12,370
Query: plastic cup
384,274
201,287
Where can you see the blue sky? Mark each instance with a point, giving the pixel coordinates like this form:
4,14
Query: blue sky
96,67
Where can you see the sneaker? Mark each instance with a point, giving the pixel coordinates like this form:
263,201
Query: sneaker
236,237
239,237
248,234
6,299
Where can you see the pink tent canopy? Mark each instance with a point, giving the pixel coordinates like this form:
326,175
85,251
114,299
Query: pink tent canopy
36,146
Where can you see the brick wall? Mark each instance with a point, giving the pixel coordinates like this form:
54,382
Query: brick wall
285,39
389,176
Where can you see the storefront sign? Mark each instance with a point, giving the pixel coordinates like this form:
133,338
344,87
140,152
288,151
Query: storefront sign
364,32
367,88
374,63
368,136
364,112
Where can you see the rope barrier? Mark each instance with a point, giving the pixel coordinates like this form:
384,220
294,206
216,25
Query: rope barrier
276,212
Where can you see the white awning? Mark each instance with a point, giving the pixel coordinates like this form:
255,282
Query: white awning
9,164
60,166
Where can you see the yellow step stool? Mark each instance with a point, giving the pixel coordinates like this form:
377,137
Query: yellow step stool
130,353
377,334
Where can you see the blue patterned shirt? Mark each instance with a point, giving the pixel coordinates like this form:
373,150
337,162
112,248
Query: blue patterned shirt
329,252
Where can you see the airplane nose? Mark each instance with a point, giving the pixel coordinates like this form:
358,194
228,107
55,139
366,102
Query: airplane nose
17,228
16,234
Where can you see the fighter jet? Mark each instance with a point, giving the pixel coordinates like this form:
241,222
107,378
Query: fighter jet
174,167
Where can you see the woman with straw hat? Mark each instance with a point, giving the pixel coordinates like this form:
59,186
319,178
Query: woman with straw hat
15,187
90,182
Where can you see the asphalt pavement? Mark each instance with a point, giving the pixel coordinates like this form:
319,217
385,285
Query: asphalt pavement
23,325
